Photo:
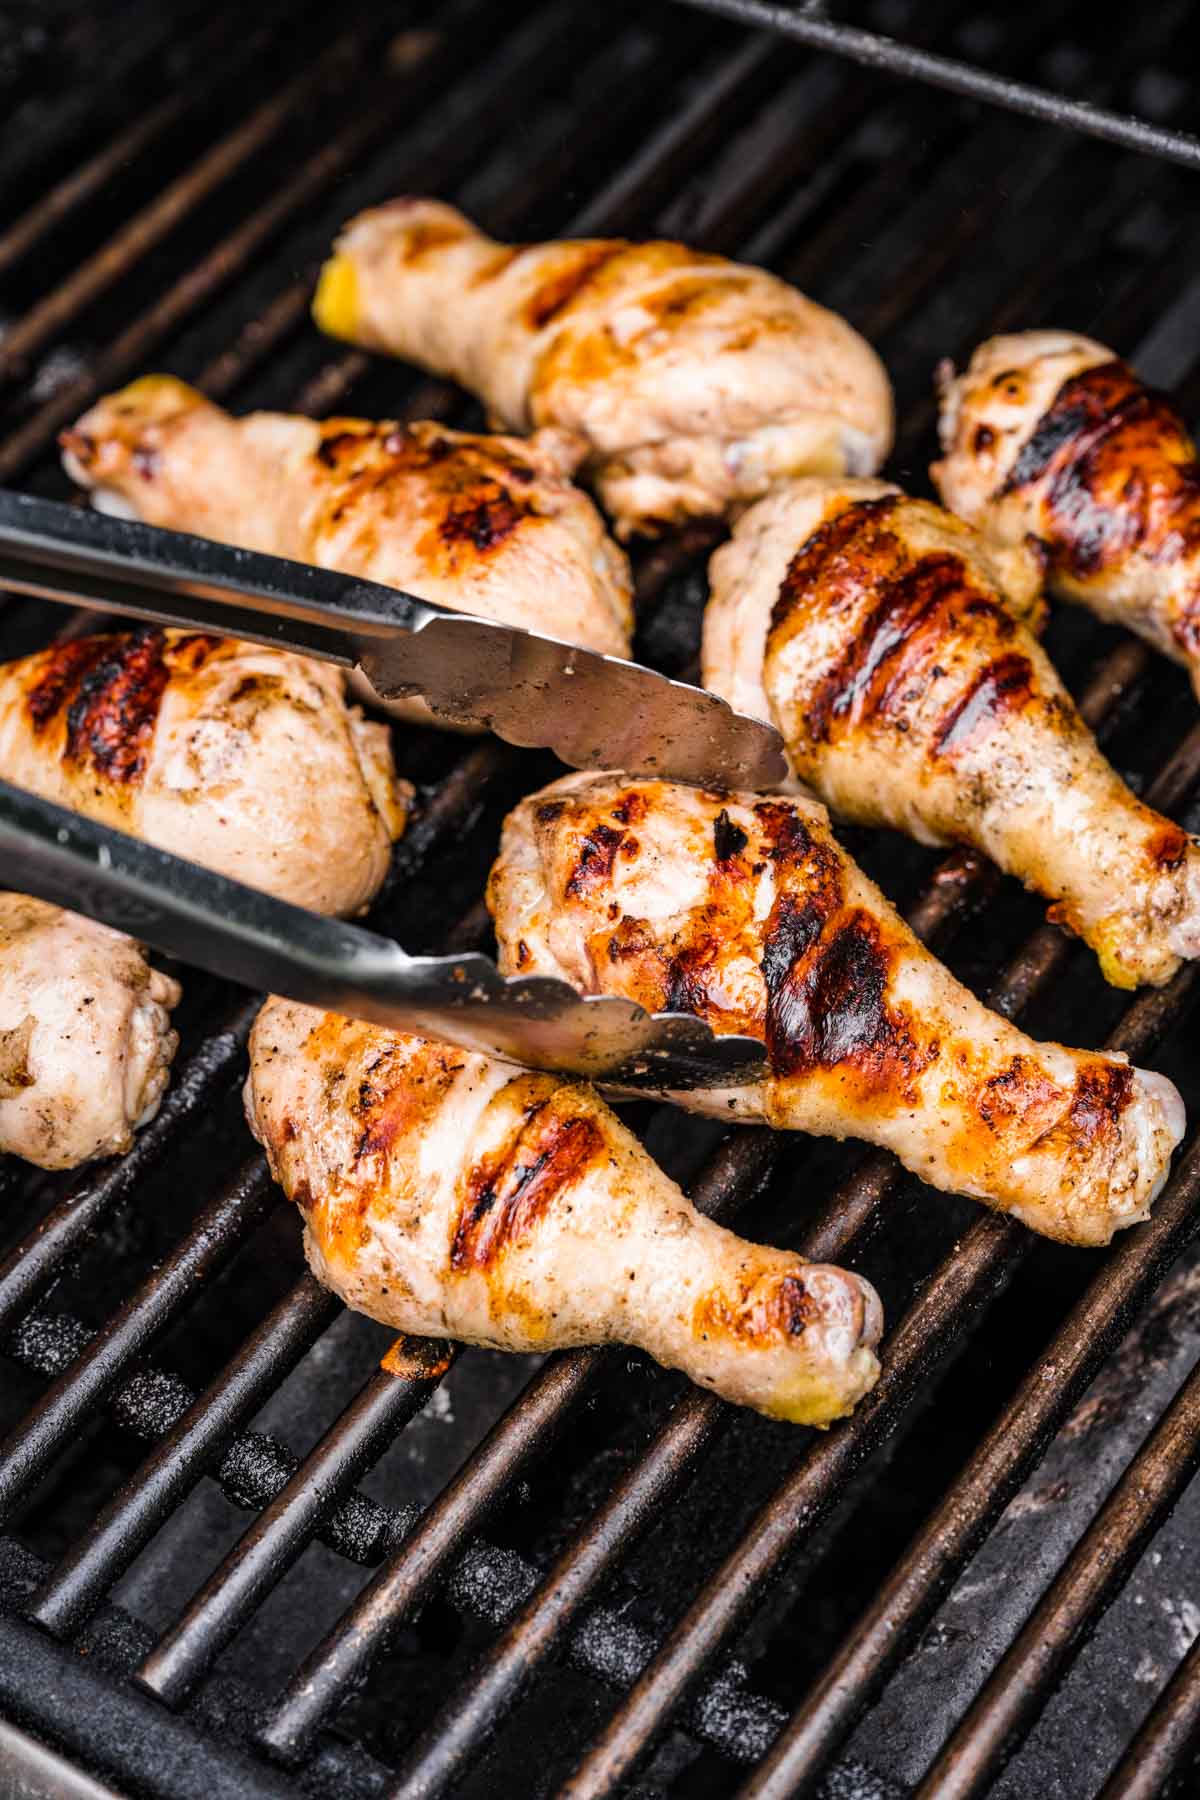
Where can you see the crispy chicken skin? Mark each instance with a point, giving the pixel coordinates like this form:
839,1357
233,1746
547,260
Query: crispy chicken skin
1050,438
487,525
244,759
744,910
696,382
449,1194
85,1036
892,647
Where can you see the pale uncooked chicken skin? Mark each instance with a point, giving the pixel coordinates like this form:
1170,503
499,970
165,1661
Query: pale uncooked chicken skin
486,525
696,382
893,648
744,910
85,1035
246,760
447,1194
1050,438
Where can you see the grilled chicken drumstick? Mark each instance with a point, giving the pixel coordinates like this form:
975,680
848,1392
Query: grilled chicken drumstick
743,909
889,644
85,1035
696,382
1050,438
246,760
449,1194
486,525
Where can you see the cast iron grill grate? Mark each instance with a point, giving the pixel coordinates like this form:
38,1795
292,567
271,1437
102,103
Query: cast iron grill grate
675,1596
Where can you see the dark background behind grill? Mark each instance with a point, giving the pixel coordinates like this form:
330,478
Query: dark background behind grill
929,222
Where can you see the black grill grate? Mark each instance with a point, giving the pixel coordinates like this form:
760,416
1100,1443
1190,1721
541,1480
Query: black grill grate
171,192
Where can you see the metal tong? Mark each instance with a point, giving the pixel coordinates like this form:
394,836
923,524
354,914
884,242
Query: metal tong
191,913
593,711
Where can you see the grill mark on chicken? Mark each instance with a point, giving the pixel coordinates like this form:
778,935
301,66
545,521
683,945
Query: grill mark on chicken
60,670
1018,1091
486,523
919,604
553,296
1123,475
597,853
582,353
15,1073
338,444
827,1003
111,717
386,1109
1168,847
433,234
495,265
729,840
688,972
1102,1092
506,1194
754,1320
631,810
1003,686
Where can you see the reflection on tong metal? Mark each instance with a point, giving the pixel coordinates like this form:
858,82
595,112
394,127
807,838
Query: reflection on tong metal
204,918
594,711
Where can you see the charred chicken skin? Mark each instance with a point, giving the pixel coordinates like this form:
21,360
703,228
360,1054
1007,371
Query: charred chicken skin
85,1036
486,525
892,646
246,760
448,1194
743,910
695,382
1050,438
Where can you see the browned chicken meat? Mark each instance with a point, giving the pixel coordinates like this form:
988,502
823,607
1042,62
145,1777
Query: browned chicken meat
243,759
85,1036
1050,438
743,910
893,648
448,1194
486,525
696,382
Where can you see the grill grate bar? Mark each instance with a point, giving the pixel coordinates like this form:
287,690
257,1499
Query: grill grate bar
353,1444
978,1266
463,1727
731,1177
808,26
613,86
224,1224
89,178
963,1284
227,259
33,1265
254,1469
1013,1697
961,1519
90,1568
144,1747
146,52
149,227
321,1683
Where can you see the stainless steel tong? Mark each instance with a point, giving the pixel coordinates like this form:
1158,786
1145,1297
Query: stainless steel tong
200,917
594,711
